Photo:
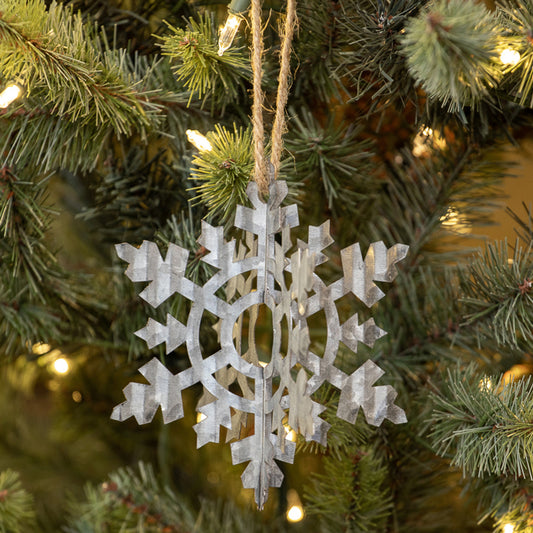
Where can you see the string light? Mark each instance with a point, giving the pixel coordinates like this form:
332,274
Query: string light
61,366
231,27
510,57
9,95
40,348
508,528
295,511
198,140
200,417
228,32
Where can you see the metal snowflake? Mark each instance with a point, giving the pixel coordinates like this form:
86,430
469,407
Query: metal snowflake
253,275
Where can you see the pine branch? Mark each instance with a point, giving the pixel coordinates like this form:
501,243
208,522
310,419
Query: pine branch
17,513
224,172
452,50
138,501
524,226
425,192
318,51
40,301
484,424
424,311
23,221
507,501
331,161
131,501
352,494
75,74
198,65
498,293
518,24
79,89
372,58
134,195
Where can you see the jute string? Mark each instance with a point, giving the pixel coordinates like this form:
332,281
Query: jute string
283,86
260,173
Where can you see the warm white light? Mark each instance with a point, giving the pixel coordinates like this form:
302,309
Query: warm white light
76,396
425,139
485,383
451,218
199,141
200,417
295,513
454,220
61,366
510,57
508,528
40,348
291,434
228,32
9,95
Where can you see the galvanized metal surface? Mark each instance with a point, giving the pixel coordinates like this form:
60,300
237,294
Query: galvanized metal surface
252,275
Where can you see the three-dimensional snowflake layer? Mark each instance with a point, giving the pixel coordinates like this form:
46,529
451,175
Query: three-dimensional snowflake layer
251,276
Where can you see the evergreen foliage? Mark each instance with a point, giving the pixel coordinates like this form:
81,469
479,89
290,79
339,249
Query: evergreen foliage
329,159
91,86
17,513
496,412
199,66
518,23
351,494
372,60
452,51
134,501
396,121
498,293
224,172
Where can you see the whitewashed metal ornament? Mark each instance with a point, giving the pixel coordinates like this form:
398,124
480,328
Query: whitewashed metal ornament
265,264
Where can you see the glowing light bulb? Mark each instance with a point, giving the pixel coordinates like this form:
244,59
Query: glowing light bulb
508,528
199,141
61,366
291,434
228,32
510,57
295,511
200,417
40,348
9,95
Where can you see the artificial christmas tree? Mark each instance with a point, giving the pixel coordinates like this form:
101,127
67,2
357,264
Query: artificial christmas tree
397,127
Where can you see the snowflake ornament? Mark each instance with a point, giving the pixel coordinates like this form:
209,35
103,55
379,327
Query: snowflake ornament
255,274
